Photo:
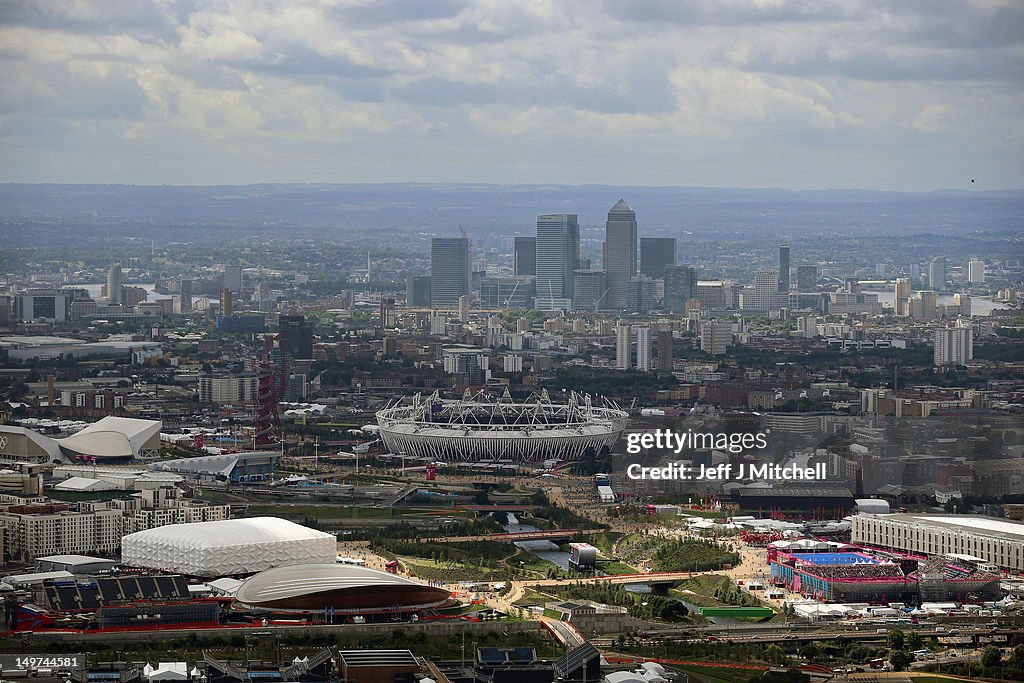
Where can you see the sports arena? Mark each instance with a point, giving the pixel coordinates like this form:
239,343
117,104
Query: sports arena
479,427
833,572
337,590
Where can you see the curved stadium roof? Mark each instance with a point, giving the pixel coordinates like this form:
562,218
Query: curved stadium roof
342,587
229,532
112,437
231,546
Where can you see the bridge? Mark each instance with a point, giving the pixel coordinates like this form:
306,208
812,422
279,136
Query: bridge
497,508
550,535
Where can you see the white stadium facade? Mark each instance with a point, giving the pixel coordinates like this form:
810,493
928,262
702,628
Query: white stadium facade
231,546
480,428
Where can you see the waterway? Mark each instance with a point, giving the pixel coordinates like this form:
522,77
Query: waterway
545,550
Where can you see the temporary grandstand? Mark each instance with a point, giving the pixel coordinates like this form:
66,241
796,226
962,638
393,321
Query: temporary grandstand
114,603
848,574
479,427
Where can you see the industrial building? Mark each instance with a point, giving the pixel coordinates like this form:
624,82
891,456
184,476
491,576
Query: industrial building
999,542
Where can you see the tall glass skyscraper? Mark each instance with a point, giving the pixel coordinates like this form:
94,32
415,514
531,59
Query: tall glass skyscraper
656,253
784,268
525,255
619,252
937,273
449,270
558,255
680,287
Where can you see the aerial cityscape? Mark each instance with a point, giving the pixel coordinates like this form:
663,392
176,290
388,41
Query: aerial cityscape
505,409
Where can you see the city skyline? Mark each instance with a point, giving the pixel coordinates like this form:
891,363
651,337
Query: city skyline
832,95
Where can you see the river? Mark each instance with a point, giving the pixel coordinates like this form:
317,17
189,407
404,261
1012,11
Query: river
545,550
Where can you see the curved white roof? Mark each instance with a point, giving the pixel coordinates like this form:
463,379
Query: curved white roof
112,437
302,579
228,532
232,546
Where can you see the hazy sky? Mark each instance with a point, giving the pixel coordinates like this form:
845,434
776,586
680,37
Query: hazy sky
908,94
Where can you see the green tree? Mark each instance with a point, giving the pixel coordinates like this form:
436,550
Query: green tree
899,660
775,655
991,656
1018,656
914,641
895,640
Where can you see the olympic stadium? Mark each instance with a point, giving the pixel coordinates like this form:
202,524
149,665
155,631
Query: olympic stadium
339,589
479,427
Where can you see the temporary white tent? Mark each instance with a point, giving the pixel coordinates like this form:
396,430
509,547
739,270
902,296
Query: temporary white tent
233,546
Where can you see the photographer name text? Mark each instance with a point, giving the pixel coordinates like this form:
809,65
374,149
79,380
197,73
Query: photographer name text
764,472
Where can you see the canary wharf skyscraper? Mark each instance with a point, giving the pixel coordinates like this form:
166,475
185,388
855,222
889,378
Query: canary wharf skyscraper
620,252
558,253
449,270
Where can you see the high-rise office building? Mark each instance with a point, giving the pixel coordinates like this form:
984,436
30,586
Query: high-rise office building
765,295
233,279
784,268
716,337
227,306
185,296
963,302
643,348
954,345
417,291
295,336
976,272
937,273
901,297
923,305
680,287
619,252
641,294
665,350
449,270
524,255
558,255
623,346
590,290
115,285
807,278
502,292
656,254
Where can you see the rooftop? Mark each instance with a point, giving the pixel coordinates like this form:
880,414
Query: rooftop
975,524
